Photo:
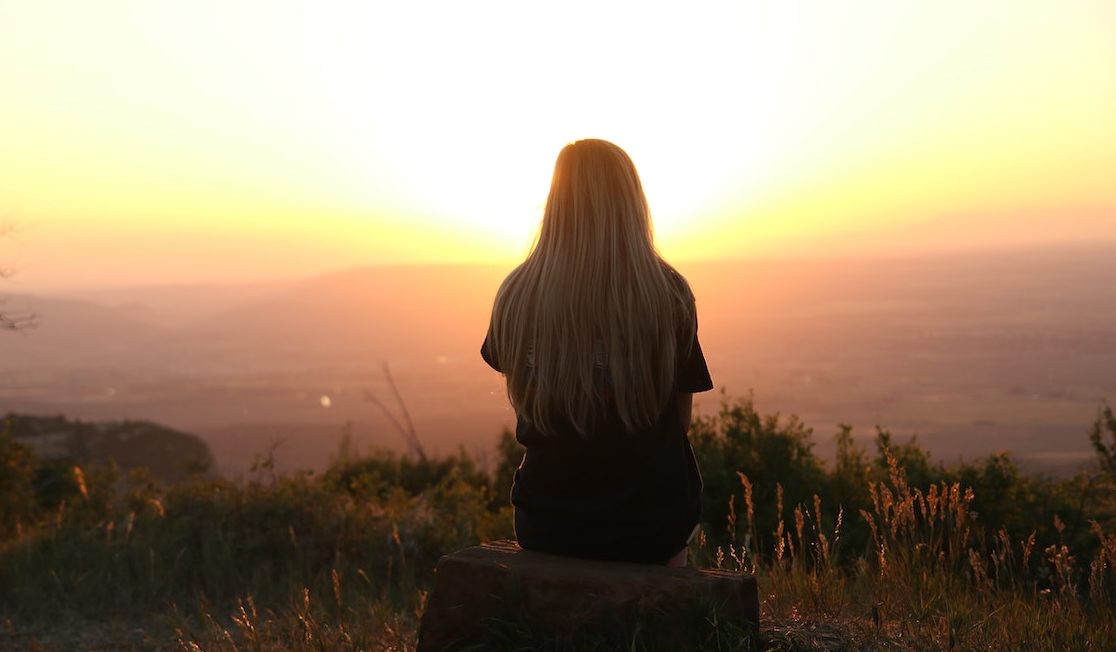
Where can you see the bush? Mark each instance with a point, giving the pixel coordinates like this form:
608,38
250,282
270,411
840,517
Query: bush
17,485
774,454
972,554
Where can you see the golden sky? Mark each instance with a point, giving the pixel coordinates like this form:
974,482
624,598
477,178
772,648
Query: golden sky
152,141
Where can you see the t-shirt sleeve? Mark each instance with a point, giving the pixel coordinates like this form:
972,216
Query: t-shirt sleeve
693,373
487,355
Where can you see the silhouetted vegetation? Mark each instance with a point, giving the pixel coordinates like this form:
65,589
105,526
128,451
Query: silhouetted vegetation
745,456
167,454
878,548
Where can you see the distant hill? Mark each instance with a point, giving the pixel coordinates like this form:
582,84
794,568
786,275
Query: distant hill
974,352
76,333
170,455
181,306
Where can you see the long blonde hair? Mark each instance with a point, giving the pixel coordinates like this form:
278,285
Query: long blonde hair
593,299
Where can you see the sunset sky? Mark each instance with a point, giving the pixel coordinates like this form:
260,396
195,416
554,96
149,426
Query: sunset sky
153,141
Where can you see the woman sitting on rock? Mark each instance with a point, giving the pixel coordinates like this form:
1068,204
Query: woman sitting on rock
597,337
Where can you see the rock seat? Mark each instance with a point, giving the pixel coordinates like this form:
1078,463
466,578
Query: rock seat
498,584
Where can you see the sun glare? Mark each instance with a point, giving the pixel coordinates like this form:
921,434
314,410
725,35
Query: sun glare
472,119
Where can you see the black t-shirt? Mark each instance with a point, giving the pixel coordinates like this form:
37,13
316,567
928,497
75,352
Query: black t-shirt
614,495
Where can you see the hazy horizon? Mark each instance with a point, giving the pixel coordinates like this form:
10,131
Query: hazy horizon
973,352
18,283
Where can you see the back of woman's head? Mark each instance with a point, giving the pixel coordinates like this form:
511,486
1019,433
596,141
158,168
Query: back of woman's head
596,209
592,324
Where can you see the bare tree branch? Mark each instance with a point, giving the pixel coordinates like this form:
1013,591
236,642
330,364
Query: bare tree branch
406,428
10,321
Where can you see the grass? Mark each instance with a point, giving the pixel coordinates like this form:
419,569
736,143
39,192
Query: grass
876,553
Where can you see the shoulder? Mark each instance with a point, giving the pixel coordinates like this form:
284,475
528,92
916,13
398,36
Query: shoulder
681,285
685,305
684,299
512,283
511,278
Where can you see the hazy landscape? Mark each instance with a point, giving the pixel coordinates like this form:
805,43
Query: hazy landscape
973,353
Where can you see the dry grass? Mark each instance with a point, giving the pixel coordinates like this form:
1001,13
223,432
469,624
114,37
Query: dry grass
927,581
342,562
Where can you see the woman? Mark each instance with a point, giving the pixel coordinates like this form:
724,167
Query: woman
597,337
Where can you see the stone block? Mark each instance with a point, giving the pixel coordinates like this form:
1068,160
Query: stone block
498,584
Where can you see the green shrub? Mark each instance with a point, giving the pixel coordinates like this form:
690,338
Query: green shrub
775,454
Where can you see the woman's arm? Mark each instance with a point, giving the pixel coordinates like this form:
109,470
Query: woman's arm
685,409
